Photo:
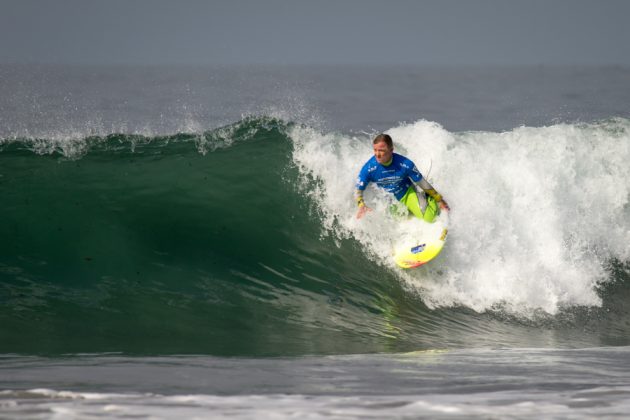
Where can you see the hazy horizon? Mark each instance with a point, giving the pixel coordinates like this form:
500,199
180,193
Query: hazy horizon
352,32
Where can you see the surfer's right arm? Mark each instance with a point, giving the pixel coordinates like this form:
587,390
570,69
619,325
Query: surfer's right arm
358,195
362,181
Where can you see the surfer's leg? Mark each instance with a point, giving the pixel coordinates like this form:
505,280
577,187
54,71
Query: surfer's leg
413,203
420,205
432,209
398,210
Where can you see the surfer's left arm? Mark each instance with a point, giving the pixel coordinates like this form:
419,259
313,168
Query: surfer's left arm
428,188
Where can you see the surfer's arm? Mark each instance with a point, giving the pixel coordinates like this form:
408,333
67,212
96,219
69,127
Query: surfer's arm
358,196
362,181
428,188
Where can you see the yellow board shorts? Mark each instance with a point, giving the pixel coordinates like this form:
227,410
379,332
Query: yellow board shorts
410,200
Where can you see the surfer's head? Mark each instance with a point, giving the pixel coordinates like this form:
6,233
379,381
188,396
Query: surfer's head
383,148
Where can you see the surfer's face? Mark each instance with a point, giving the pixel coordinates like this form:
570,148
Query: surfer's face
382,152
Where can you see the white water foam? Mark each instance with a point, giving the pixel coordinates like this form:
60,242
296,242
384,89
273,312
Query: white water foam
537,212
603,401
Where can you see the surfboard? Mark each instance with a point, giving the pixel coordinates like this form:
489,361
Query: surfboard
419,242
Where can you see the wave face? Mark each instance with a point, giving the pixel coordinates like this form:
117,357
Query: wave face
242,241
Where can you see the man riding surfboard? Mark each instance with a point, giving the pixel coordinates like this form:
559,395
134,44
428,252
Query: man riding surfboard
398,175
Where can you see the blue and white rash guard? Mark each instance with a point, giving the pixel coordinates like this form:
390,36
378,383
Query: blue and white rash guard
395,178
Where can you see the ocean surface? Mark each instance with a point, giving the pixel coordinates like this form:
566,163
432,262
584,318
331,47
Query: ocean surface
180,242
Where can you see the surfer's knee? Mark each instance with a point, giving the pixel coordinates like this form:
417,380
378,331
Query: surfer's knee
431,211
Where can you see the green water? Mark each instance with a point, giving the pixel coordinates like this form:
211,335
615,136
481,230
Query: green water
148,245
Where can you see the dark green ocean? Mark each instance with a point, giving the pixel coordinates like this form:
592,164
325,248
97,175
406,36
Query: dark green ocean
200,256
180,244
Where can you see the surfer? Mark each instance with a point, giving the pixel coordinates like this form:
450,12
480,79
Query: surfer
398,175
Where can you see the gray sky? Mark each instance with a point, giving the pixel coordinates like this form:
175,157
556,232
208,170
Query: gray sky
436,32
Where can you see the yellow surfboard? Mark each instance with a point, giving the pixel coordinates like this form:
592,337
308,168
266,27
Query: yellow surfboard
420,241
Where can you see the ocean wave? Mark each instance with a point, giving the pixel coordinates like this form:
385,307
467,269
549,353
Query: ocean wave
242,240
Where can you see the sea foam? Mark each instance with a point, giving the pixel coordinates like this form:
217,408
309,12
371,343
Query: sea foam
537,212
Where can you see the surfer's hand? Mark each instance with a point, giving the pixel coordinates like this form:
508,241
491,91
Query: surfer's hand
444,205
362,211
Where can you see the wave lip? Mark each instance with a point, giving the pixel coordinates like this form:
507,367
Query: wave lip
76,144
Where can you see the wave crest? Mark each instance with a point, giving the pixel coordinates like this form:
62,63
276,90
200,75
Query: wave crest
77,145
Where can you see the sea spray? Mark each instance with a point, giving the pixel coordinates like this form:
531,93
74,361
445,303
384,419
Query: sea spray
537,212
